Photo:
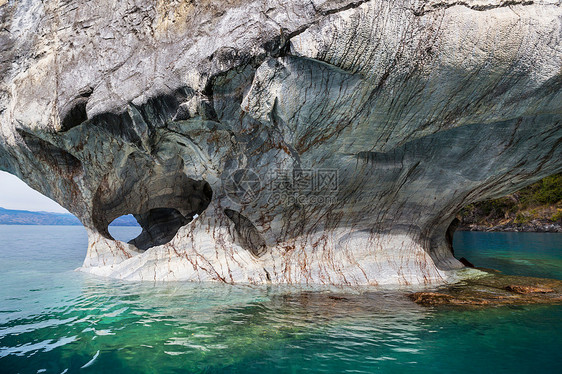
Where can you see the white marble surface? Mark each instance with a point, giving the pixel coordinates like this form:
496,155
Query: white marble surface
418,107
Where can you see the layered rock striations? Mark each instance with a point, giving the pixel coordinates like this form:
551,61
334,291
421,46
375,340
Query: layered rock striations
326,141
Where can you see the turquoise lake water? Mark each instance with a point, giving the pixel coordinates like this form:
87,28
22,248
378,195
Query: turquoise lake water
56,320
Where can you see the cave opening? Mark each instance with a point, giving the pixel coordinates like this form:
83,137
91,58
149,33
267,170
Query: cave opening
534,208
22,204
125,228
159,214
146,230
159,226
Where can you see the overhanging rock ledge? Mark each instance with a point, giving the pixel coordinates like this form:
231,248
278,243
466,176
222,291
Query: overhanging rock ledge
325,142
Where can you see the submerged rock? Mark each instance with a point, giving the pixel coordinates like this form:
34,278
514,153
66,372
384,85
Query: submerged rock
528,289
494,289
305,142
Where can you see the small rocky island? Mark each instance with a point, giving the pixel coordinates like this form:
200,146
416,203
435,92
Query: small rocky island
320,142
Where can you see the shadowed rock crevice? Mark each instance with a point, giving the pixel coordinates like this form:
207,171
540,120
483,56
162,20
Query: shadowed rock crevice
247,235
134,124
74,113
450,234
159,226
477,7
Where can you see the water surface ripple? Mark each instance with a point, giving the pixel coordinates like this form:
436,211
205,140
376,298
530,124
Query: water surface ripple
55,320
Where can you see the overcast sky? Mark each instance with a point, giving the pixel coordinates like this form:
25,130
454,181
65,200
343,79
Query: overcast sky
15,194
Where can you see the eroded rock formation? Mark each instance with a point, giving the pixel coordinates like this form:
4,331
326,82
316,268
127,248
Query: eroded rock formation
279,141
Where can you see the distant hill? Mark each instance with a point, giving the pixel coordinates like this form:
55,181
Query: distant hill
25,217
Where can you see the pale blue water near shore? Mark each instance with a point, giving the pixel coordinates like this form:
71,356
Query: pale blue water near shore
55,320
